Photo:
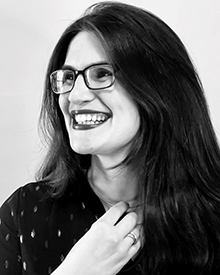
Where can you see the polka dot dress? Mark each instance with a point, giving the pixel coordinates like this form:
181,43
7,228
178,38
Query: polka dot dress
37,232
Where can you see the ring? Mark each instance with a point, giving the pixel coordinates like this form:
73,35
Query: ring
133,236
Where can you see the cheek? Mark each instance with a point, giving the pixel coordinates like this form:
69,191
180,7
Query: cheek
137,119
63,103
130,116
134,121
126,124
134,124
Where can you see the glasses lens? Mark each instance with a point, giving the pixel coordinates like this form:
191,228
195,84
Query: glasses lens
100,76
62,81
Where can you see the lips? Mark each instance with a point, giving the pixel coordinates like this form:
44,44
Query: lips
88,119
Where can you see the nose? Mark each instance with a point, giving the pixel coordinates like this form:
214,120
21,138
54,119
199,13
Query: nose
80,94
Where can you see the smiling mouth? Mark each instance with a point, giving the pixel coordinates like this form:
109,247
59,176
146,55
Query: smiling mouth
87,119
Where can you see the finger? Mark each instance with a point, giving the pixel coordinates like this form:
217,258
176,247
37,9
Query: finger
127,224
134,249
115,212
131,251
132,238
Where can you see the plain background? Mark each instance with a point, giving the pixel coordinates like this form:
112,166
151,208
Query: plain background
29,30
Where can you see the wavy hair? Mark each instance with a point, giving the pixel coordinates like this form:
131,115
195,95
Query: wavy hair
175,151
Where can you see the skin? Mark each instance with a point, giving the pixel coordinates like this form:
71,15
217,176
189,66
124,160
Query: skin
105,246
111,140
109,143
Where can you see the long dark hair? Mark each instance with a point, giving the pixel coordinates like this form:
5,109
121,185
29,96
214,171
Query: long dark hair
175,151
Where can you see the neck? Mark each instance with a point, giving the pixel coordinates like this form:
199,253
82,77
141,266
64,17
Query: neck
113,185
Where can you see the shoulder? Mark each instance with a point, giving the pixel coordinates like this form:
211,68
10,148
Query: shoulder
32,206
23,198
33,191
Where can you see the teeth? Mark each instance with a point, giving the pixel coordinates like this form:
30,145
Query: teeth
90,118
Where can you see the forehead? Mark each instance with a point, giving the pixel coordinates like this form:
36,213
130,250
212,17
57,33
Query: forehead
84,50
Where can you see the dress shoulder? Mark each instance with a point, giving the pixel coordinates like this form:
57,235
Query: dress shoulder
37,230
29,193
11,212
24,193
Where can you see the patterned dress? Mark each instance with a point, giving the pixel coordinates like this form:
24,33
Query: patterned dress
37,231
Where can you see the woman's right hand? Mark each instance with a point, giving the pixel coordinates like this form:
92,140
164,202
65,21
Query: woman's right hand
105,248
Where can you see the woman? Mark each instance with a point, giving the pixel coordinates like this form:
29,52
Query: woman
130,184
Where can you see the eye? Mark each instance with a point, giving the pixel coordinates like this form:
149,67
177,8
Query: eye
68,77
101,74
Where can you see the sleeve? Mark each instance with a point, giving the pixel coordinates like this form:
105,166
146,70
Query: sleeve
10,254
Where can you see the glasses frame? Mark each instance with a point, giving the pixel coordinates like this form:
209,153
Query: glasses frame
83,73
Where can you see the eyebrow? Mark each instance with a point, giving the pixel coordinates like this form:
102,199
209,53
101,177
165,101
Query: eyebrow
69,67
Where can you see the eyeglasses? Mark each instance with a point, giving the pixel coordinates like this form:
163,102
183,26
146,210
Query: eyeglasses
96,77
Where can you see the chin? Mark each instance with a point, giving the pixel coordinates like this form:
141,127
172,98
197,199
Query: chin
80,149
82,152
